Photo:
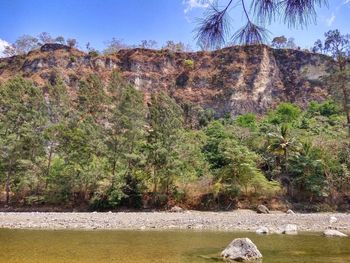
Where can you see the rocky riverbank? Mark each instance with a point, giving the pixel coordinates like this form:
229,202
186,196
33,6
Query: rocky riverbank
239,220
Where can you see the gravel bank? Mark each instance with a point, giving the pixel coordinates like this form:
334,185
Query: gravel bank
240,220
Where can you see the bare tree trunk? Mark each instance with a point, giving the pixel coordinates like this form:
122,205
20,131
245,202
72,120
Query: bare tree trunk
48,168
7,188
347,107
155,186
114,167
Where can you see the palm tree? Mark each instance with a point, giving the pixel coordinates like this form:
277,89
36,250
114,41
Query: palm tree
281,144
307,171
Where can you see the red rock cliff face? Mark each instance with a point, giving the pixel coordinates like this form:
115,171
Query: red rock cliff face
233,80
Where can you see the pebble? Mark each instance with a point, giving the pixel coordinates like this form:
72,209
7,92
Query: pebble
238,220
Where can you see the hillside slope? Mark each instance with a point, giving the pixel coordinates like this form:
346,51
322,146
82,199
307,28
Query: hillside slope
233,80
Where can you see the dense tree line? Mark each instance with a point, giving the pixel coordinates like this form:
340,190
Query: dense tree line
103,147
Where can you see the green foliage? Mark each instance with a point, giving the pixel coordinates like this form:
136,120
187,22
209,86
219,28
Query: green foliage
247,120
91,96
205,117
105,148
106,197
284,113
93,53
165,120
22,119
327,109
216,133
72,59
307,172
188,64
3,65
241,167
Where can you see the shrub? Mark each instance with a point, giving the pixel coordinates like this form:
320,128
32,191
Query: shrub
72,59
327,108
3,64
247,120
109,200
93,53
284,113
188,64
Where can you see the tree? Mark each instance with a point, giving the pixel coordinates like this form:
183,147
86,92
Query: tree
247,121
58,105
338,46
165,122
126,118
307,172
81,148
281,144
80,143
216,133
176,47
91,96
60,40
149,44
214,28
115,45
285,113
72,42
318,47
22,45
279,42
291,43
22,120
45,38
241,168
92,51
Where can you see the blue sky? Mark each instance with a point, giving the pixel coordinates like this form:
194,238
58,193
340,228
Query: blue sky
97,21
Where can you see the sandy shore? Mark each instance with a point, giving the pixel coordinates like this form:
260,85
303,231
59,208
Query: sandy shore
240,220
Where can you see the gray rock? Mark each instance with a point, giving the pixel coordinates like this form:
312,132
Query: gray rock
333,233
262,230
289,229
290,212
333,220
241,249
176,209
53,46
261,209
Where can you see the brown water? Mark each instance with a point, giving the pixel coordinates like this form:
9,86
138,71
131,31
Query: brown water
34,246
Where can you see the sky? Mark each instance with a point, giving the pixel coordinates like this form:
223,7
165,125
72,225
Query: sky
98,21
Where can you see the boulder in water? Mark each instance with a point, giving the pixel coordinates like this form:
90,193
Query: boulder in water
261,209
289,229
241,249
262,230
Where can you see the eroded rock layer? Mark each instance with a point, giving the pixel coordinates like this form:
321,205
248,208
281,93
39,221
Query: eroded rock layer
233,80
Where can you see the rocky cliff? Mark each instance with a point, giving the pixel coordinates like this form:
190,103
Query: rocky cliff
232,80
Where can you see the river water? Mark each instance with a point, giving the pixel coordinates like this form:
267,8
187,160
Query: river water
36,246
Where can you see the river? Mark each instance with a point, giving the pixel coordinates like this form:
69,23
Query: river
48,246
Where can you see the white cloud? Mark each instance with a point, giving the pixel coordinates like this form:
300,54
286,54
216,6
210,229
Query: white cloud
192,4
331,19
3,44
346,2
